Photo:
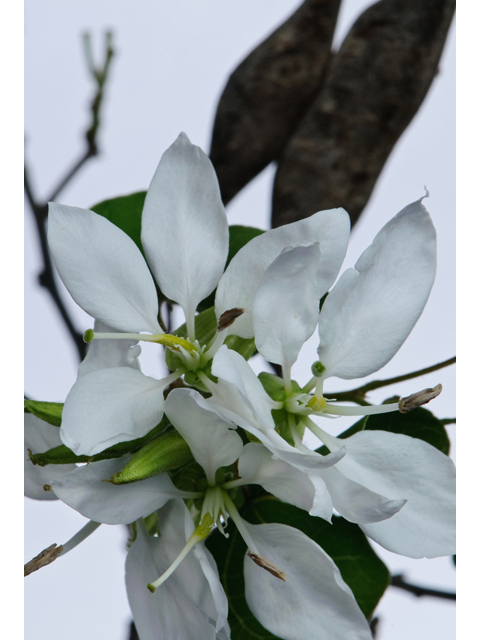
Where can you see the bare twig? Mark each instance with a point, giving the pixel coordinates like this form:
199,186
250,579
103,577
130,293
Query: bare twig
40,210
357,395
398,581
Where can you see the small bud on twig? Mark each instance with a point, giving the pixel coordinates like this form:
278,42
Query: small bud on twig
267,565
417,399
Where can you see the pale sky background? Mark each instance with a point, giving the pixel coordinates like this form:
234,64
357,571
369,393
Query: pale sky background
173,59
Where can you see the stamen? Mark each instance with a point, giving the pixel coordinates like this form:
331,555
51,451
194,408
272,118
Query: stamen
200,533
167,339
267,565
343,410
237,518
228,318
417,399
52,552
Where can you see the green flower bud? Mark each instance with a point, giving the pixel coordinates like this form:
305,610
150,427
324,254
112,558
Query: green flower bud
167,452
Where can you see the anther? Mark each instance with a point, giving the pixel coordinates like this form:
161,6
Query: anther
45,557
267,565
228,318
417,399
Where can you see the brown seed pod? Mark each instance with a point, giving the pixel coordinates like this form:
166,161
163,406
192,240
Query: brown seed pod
373,88
268,93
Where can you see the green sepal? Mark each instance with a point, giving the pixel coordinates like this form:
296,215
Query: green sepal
50,412
244,346
273,385
239,236
167,452
125,212
63,455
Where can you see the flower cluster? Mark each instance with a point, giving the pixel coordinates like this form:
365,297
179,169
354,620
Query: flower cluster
222,427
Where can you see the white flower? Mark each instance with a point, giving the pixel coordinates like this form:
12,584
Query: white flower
364,320
185,239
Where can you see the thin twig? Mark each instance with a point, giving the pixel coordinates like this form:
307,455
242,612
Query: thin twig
398,581
357,395
40,210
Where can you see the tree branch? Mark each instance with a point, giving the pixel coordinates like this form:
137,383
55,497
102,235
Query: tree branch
398,581
357,395
40,210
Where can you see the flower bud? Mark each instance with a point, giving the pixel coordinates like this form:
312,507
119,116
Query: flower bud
162,454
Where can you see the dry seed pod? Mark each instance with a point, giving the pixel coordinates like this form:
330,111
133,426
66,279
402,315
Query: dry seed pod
268,93
373,88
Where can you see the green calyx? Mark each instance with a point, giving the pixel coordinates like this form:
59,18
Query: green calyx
50,412
167,452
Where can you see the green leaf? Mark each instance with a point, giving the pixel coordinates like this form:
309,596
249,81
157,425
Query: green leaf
50,412
239,236
344,542
419,423
126,213
63,455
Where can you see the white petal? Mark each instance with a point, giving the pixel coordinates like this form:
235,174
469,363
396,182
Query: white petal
355,502
371,310
109,406
103,269
239,284
285,307
184,225
257,466
404,468
230,367
40,437
314,602
85,491
177,608
212,442
109,354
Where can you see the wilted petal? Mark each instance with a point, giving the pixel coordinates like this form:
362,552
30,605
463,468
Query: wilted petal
103,269
184,225
85,491
285,307
239,284
371,310
110,406
182,608
211,440
40,437
257,466
404,468
313,602
109,354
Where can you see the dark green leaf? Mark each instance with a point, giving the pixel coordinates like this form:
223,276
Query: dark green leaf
419,423
239,236
63,455
50,412
344,542
126,213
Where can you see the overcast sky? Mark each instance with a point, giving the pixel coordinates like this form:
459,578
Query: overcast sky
172,62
